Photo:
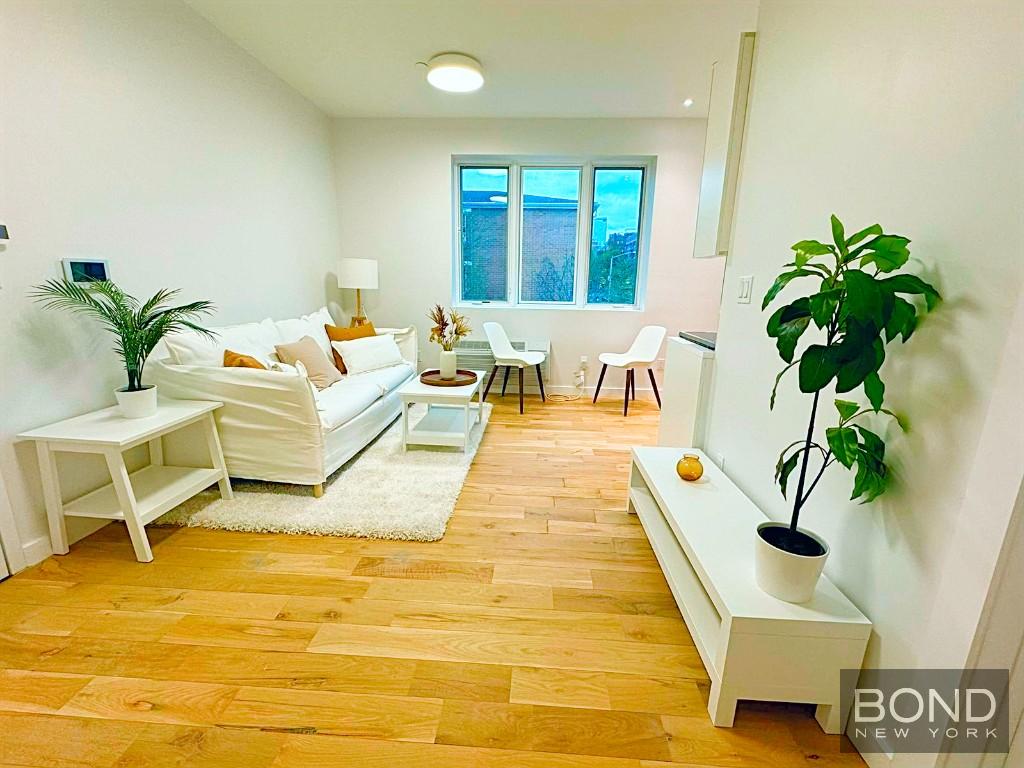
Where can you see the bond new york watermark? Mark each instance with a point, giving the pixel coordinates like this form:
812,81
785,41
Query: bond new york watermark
897,711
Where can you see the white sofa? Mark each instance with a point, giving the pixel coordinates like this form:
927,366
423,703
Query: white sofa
275,425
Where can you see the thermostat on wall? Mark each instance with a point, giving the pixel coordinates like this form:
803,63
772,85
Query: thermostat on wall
85,270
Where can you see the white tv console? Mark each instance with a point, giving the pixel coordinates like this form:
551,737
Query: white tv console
753,645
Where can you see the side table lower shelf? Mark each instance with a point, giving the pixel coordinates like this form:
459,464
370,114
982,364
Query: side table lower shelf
157,488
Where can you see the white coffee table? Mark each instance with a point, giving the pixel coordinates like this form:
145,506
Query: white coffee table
136,497
449,410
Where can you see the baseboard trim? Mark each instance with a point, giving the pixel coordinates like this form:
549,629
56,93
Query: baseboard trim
36,550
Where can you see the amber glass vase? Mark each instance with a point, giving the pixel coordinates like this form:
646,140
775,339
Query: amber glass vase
689,467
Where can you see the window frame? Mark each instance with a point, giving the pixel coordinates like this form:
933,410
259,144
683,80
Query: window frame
587,164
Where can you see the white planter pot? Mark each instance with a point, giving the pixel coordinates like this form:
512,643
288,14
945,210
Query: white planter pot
783,574
448,362
137,405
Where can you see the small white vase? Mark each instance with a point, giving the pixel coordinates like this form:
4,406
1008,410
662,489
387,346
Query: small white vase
137,405
448,363
785,575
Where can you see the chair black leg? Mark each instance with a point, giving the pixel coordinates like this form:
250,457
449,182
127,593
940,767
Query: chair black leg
540,381
625,400
600,380
520,389
632,384
490,380
504,383
657,395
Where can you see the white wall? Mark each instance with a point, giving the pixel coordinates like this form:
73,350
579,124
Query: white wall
135,132
908,114
394,197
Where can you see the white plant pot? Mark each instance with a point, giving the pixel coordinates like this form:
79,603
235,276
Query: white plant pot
786,575
137,405
448,364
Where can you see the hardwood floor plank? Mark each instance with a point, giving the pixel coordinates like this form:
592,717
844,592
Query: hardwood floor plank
472,682
601,601
40,692
241,633
509,595
559,688
340,714
62,742
542,575
333,752
554,729
434,570
151,701
525,650
179,746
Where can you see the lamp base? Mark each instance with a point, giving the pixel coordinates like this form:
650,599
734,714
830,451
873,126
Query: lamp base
358,320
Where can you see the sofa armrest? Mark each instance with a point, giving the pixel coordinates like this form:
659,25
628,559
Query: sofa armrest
269,426
407,343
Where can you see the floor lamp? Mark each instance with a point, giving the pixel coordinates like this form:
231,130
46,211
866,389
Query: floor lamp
358,274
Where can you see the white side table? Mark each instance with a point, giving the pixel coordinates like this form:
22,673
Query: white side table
138,497
449,410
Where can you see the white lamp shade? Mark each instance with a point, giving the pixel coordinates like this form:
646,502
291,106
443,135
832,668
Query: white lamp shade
357,273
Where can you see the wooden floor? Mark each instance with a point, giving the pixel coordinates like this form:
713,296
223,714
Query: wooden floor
539,633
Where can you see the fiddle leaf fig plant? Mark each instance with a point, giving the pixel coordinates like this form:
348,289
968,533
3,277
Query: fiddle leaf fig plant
861,304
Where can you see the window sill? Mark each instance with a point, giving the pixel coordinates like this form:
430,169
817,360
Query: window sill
549,307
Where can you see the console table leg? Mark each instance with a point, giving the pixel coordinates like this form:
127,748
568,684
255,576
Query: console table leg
831,717
51,494
126,498
721,707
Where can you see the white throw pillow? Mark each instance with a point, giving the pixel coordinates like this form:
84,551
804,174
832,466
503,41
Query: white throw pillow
369,354
312,325
194,349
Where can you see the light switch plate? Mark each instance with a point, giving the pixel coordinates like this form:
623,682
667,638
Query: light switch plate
746,289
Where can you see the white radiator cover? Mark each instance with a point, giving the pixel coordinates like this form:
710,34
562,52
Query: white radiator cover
475,355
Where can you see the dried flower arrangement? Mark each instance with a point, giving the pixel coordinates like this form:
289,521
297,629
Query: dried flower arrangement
449,327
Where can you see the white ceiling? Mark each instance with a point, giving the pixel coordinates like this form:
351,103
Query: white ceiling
541,58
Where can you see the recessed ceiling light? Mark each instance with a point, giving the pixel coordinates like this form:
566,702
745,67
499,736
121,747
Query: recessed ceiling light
454,72
687,102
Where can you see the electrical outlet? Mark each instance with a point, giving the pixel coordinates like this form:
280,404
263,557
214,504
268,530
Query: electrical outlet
746,289
584,362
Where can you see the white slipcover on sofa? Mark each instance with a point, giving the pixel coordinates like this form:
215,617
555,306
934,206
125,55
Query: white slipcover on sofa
275,425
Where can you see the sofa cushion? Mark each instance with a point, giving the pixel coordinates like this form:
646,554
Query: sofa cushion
307,325
342,402
388,378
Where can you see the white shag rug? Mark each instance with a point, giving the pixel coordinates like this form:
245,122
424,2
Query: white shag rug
381,493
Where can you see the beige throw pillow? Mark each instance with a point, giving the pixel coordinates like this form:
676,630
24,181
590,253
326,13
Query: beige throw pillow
319,368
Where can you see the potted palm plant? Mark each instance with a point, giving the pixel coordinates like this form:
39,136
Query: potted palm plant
137,328
859,307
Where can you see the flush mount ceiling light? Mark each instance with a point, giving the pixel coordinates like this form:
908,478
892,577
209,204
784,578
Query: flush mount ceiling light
687,103
454,72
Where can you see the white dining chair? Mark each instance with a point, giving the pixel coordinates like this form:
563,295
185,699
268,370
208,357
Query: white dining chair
509,357
641,354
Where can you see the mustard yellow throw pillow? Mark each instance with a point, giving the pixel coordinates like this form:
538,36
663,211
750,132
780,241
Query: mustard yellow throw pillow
337,333
238,360
311,355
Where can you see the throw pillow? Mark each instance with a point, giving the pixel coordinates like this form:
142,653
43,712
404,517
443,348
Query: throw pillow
337,333
318,367
369,354
237,360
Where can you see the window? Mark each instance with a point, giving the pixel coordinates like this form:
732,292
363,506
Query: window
576,236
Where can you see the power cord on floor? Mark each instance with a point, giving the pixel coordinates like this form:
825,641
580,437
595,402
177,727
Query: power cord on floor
558,397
